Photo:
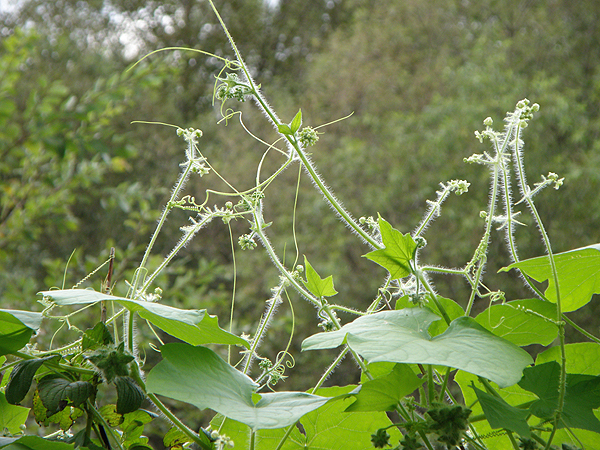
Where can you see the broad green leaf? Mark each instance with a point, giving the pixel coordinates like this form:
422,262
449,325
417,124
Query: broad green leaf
30,319
129,395
199,376
582,396
399,251
500,414
16,328
329,427
582,357
239,433
326,428
22,376
33,443
578,275
520,322
296,122
401,336
383,394
190,325
321,287
56,392
11,416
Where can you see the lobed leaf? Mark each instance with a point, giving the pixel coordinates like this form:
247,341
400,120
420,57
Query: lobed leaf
399,251
401,336
328,427
320,287
383,394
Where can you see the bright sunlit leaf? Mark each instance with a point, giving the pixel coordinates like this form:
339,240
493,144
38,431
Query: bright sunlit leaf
578,275
399,251
199,376
401,336
321,287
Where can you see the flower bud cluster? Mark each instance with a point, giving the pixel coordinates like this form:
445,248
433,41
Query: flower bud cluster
308,136
190,134
232,88
247,242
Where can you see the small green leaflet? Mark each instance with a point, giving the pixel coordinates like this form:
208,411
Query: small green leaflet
190,325
578,275
401,336
320,287
197,375
296,122
293,126
399,251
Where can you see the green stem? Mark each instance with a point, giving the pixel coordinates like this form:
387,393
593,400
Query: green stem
481,251
433,296
581,330
445,383
430,386
178,423
262,327
98,418
561,326
292,141
330,369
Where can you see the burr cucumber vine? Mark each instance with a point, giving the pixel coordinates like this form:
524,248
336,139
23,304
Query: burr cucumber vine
433,374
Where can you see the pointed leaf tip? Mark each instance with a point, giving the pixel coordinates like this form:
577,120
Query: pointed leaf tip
399,251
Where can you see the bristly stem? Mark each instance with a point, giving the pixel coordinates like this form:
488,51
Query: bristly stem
521,116
295,147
